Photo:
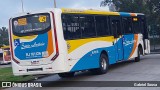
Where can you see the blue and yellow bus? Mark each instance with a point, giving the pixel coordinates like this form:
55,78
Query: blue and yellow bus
65,41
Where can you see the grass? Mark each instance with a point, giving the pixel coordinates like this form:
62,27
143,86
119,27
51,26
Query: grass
7,75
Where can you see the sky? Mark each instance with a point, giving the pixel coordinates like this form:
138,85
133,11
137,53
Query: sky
9,8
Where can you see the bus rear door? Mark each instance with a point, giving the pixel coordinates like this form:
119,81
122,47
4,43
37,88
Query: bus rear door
116,29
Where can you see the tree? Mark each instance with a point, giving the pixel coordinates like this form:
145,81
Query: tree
111,4
4,40
126,5
151,8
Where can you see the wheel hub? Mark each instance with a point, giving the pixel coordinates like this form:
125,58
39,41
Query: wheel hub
104,64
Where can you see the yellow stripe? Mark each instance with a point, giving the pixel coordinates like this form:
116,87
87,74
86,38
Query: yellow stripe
4,47
74,44
77,11
24,37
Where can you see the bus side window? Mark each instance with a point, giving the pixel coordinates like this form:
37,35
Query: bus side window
119,32
71,26
127,25
136,25
144,27
64,25
102,26
116,28
8,52
87,25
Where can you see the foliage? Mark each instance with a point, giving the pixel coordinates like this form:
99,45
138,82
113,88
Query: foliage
151,8
7,75
4,40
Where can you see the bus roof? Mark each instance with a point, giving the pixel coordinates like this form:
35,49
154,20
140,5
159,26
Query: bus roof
98,12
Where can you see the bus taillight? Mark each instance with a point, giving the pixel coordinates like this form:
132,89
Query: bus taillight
11,48
56,41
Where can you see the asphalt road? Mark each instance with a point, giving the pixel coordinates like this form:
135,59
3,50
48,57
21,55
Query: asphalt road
5,65
148,69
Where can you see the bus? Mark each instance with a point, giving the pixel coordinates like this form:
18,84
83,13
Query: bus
5,57
65,41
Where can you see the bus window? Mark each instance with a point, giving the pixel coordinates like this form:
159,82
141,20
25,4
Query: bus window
102,26
127,25
87,26
31,24
143,27
136,25
71,26
7,52
116,28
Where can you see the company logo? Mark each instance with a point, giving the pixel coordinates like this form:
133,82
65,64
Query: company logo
26,46
13,84
34,62
6,84
126,43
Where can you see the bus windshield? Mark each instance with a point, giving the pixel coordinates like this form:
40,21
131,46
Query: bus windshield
31,24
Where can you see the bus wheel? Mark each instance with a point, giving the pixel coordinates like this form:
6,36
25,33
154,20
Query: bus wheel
137,59
103,62
65,75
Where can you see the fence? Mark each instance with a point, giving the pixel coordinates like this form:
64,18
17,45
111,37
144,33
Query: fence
154,35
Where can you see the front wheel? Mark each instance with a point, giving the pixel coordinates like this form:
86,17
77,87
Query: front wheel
66,75
103,65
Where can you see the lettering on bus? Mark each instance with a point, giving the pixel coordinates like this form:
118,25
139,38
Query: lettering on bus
32,46
22,21
37,54
126,42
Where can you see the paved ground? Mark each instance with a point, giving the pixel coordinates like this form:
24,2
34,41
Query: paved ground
155,48
148,69
5,65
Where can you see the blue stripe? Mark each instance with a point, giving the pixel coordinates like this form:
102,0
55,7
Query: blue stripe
124,14
91,60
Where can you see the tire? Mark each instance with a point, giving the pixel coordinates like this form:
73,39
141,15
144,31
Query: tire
138,58
103,65
66,75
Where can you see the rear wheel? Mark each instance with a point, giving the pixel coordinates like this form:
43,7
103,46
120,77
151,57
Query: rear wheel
138,58
65,75
103,65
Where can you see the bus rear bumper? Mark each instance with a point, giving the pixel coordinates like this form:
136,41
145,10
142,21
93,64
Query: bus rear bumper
36,70
36,73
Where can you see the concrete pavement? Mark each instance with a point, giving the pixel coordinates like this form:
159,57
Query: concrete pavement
5,65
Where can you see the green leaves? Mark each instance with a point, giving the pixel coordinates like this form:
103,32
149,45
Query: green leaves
4,40
151,8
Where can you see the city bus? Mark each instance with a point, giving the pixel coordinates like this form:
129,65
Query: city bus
5,57
65,41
